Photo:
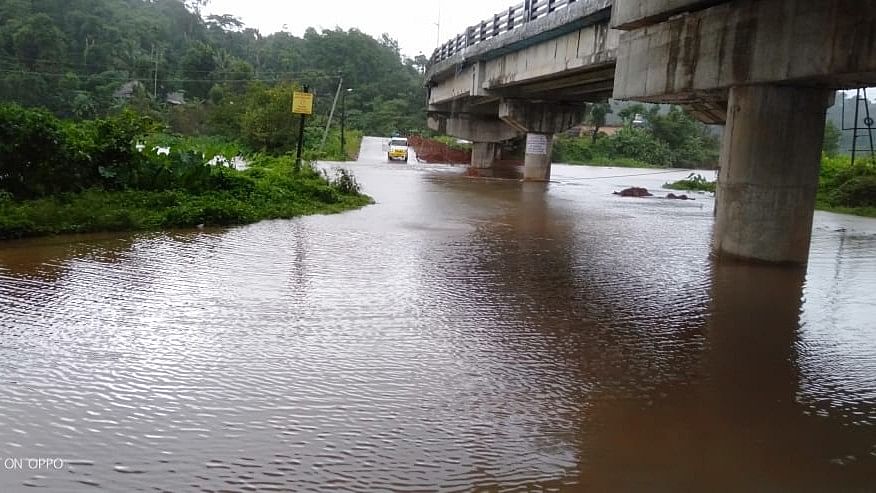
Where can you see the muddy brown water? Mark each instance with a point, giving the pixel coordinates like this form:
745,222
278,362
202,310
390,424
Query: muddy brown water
459,335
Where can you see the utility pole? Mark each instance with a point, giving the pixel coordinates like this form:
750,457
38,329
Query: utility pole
438,26
332,112
343,121
155,74
89,44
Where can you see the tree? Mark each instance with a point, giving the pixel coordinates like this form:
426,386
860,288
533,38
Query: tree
38,40
420,62
198,67
267,123
596,117
70,56
832,136
225,23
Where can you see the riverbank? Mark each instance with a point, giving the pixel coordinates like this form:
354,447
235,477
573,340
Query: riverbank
268,189
121,173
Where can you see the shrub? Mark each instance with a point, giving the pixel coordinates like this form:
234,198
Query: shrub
572,150
33,150
859,191
344,182
637,144
693,182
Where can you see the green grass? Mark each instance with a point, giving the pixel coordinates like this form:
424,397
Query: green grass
272,192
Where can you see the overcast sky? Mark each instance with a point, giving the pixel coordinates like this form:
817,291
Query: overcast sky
412,23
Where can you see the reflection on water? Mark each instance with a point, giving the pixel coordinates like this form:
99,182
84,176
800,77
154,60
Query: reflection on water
467,334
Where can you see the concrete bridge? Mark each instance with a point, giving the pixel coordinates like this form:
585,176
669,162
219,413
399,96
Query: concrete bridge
766,69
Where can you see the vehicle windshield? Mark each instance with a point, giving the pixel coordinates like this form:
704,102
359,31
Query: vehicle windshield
399,142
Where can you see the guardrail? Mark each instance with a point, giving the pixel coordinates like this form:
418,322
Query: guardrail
508,20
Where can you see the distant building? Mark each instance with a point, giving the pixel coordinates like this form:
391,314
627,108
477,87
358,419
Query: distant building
176,98
128,89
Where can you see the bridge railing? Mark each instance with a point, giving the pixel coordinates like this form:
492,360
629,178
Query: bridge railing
508,20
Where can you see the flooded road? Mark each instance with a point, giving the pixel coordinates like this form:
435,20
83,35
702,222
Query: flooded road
461,334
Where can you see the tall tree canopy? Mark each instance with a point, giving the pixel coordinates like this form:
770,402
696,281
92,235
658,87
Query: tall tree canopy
73,56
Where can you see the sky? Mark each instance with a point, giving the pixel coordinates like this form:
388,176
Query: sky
411,23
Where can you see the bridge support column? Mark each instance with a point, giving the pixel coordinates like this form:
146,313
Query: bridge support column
537,160
770,161
483,154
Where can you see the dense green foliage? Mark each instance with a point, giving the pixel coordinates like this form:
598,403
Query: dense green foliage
832,138
43,156
105,175
694,182
72,56
847,188
673,139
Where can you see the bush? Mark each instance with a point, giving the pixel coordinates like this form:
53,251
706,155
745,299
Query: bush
43,157
693,182
859,191
637,144
267,124
34,151
572,150
344,182
103,151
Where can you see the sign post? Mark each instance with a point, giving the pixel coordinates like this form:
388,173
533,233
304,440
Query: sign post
302,104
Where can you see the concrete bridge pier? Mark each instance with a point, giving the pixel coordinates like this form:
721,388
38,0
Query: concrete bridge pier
770,160
765,68
485,132
483,154
540,121
537,160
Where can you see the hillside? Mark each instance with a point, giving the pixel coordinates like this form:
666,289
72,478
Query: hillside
86,58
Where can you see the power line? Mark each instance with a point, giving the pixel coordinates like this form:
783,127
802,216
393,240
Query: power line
285,76
142,64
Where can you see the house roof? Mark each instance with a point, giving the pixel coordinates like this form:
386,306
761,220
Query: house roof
127,89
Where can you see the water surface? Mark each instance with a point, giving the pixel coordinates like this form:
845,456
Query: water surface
461,334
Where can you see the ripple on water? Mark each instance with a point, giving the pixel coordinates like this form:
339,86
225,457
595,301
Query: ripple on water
467,334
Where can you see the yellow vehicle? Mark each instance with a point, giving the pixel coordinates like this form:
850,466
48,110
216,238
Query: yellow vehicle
398,149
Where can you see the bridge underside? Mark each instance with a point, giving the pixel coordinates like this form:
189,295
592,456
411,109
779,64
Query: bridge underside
534,80
765,68
776,63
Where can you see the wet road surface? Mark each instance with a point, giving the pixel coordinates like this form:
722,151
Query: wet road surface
458,335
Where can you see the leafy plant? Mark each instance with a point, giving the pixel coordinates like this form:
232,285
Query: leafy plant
343,181
693,182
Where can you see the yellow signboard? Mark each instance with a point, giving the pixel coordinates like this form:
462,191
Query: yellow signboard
302,103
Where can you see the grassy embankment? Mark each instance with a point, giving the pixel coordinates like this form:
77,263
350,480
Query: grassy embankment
842,188
266,190
60,177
